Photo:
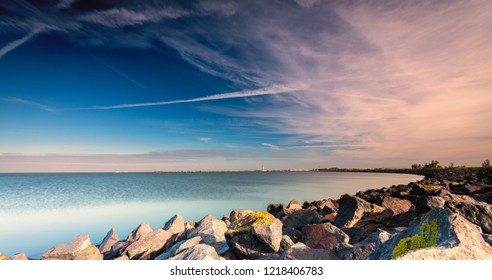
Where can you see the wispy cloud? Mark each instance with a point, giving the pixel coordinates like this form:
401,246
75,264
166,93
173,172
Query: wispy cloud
237,94
29,103
271,146
205,139
121,17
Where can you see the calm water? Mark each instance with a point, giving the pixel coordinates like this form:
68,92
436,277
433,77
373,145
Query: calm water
38,211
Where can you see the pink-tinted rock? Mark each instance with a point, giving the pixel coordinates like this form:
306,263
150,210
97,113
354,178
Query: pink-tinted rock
299,251
397,205
323,236
80,248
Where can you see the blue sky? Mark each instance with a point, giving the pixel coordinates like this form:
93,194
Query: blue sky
234,85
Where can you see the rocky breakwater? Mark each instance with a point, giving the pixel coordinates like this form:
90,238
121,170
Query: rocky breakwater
445,216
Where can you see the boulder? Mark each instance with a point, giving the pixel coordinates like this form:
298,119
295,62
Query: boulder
485,197
372,196
402,219
285,243
427,190
210,229
323,236
108,241
294,205
396,205
470,189
80,248
367,224
18,257
479,213
487,238
300,218
2,257
180,247
116,249
325,203
122,258
427,203
189,225
299,251
149,245
175,225
328,218
437,235
238,214
352,209
326,210
197,252
206,219
140,231
269,257
276,210
362,249
255,234
294,234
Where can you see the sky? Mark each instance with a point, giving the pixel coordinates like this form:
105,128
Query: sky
103,86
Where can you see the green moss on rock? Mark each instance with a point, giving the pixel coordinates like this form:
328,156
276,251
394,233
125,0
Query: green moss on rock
426,238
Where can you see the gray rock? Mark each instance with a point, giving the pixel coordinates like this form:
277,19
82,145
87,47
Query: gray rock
427,203
210,229
285,243
108,241
80,248
438,235
269,257
299,251
140,231
255,234
323,236
362,249
238,214
276,210
179,247
294,234
116,249
487,238
18,257
479,213
367,224
352,209
175,225
197,252
300,218
150,245
206,219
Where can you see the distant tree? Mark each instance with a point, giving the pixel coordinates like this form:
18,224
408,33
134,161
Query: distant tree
451,165
432,164
416,166
486,163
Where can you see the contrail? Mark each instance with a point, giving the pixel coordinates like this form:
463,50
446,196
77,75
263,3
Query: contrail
13,45
118,71
236,94
28,102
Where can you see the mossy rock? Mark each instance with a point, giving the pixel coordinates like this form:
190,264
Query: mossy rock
439,234
426,238
255,234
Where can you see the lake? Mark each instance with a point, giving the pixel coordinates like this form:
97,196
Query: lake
38,211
